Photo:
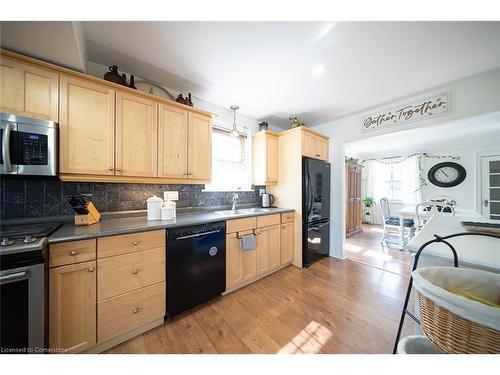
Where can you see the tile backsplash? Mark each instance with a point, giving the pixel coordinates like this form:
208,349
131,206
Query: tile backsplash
25,197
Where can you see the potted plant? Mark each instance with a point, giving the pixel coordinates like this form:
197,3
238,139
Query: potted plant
368,202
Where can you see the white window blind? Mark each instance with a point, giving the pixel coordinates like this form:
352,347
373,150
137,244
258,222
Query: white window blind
229,162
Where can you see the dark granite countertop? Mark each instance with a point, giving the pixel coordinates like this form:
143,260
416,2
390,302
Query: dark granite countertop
111,227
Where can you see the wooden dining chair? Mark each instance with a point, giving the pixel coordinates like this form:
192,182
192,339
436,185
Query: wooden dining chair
392,224
431,209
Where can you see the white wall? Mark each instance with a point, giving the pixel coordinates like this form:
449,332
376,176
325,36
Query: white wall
472,96
467,150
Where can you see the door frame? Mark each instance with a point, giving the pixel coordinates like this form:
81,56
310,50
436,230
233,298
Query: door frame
479,177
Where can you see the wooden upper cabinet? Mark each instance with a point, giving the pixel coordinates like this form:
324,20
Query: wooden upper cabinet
72,307
199,146
28,91
86,127
265,158
136,136
314,146
172,142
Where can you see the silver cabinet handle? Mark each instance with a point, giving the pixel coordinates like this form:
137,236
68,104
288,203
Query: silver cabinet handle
13,276
91,269
6,148
486,203
135,310
118,170
135,272
197,235
111,169
135,243
73,253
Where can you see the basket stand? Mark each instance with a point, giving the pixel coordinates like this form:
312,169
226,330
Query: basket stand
437,238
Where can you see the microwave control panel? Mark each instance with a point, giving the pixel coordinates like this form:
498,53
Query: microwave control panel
33,148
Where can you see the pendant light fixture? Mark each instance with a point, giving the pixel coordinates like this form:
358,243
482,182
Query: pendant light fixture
234,132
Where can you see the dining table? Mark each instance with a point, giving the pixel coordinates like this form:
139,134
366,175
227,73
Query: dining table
409,212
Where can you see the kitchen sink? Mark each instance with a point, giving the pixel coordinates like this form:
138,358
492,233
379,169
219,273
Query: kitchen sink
242,211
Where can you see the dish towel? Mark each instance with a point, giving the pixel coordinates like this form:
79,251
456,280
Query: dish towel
248,242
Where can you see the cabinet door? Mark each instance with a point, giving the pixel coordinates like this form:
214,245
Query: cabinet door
323,149
286,243
199,146
309,145
28,91
136,136
172,142
86,127
268,248
272,158
72,307
241,265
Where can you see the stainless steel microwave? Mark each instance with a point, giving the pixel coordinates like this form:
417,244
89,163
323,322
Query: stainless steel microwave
29,146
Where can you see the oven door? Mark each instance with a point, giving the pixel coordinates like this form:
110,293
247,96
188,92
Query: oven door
36,150
22,315
8,145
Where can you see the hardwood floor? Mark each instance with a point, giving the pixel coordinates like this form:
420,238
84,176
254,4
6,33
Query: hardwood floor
365,248
333,306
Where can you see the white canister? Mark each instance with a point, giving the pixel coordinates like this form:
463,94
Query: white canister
167,213
154,207
169,208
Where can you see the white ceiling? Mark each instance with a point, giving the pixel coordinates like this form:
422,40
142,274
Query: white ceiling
267,68
482,130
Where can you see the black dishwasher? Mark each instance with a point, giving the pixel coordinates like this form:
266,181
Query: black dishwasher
196,265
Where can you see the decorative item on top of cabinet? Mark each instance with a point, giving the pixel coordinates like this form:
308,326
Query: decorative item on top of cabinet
263,126
114,76
353,199
27,90
265,158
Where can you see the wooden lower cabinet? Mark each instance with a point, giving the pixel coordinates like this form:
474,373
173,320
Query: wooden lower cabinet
72,307
127,311
268,248
241,264
286,243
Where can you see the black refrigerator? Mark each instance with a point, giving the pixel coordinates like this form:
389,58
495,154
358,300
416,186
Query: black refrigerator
315,210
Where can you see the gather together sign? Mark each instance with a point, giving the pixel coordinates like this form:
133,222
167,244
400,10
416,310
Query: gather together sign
420,110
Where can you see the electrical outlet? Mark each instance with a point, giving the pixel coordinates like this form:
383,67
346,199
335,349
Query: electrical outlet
171,195
262,191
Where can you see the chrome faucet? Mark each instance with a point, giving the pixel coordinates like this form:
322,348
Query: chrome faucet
235,198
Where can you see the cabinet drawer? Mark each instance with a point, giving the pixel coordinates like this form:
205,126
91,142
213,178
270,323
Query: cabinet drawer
125,312
287,217
238,225
61,254
265,221
128,243
124,273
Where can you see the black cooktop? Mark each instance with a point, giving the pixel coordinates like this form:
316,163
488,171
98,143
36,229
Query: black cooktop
33,230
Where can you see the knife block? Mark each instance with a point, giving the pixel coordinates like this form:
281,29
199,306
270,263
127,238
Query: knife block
91,218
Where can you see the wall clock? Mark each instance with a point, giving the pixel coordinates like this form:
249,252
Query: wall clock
447,174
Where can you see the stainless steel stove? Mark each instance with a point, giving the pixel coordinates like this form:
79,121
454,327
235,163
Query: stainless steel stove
23,292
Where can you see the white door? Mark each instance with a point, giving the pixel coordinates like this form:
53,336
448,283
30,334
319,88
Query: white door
490,187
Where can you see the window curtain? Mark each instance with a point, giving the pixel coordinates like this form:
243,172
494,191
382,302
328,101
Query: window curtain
410,180
376,173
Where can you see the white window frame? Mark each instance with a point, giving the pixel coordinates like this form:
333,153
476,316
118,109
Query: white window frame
391,181
247,186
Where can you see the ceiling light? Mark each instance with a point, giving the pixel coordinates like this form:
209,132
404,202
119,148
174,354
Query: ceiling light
318,70
234,132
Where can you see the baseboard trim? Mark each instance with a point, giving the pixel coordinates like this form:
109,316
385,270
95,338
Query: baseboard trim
248,282
99,348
